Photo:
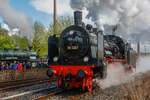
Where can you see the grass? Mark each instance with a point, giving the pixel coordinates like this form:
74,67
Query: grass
138,89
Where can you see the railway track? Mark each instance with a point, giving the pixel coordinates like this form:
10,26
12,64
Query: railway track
11,85
50,94
15,85
50,90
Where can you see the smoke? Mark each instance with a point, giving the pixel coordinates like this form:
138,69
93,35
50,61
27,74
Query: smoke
117,75
143,64
131,16
16,19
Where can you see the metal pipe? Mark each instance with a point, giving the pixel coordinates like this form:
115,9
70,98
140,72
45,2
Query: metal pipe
138,47
54,17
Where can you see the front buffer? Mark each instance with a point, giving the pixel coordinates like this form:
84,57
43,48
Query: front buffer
69,77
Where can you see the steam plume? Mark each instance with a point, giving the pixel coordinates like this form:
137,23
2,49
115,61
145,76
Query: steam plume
117,75
132,16
16,19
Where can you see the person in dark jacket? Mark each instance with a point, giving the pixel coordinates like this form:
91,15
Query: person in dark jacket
14,66
0,66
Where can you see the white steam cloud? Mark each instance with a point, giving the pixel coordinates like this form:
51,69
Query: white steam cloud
117,75
143,64
16,19
132,16
46,6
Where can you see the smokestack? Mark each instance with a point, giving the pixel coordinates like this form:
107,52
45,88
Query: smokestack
114,30
78,18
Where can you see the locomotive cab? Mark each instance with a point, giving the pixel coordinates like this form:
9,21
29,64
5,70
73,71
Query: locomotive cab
53,49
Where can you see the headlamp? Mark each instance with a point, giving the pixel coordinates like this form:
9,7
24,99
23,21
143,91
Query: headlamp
86,59
55,59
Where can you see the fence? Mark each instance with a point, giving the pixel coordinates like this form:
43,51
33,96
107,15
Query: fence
10,75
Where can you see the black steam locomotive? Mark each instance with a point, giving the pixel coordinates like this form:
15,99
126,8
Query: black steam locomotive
78,45
82,52
117,49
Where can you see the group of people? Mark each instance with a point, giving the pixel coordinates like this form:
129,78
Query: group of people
15,65
20,65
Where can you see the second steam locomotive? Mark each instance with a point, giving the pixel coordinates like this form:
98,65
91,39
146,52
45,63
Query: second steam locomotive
82,52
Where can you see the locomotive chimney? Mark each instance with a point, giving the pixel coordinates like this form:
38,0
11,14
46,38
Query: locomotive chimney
78,18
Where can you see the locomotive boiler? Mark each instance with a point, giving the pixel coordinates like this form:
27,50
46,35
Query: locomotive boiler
82,53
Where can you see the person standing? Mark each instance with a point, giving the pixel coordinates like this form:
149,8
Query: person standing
20,70
0,66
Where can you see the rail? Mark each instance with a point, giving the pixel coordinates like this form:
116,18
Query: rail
11,85
52,93
53,90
